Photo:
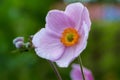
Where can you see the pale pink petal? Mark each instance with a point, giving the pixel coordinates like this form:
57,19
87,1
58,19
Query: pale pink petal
86,17
57,21
77,75
81,45
74,11
67,57
88,74
47,45
75,72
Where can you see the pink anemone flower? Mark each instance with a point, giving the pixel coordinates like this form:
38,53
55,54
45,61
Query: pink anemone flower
64,36
77,75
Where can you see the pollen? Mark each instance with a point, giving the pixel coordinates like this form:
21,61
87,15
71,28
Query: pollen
70,37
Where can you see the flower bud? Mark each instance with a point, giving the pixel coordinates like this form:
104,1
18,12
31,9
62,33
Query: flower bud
19,44
76,73
17,39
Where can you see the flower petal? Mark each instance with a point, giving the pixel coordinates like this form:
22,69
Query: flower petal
47,45
57,21
75,72
77,75
67,57
74,11
88,74
86,17
84,32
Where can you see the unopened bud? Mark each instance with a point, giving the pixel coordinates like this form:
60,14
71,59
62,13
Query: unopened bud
18,39
19,44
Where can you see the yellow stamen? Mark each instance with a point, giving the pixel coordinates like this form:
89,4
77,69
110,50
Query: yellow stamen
69,37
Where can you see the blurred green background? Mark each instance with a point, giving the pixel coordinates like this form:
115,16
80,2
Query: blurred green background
26,17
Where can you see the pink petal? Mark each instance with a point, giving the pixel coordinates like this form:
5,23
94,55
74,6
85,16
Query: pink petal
67,57
77,75
57,21
88,74
75,72
47,45
86,17
74,11
83,40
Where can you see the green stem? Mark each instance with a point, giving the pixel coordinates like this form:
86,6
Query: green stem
81,67
55,70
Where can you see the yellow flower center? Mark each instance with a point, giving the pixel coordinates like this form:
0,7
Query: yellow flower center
69,37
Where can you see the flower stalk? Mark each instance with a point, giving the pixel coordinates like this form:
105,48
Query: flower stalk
81,67
55,70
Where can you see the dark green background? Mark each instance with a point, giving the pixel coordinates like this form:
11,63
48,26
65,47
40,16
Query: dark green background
26,17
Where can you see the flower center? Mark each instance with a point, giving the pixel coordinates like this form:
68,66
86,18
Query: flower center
69,37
